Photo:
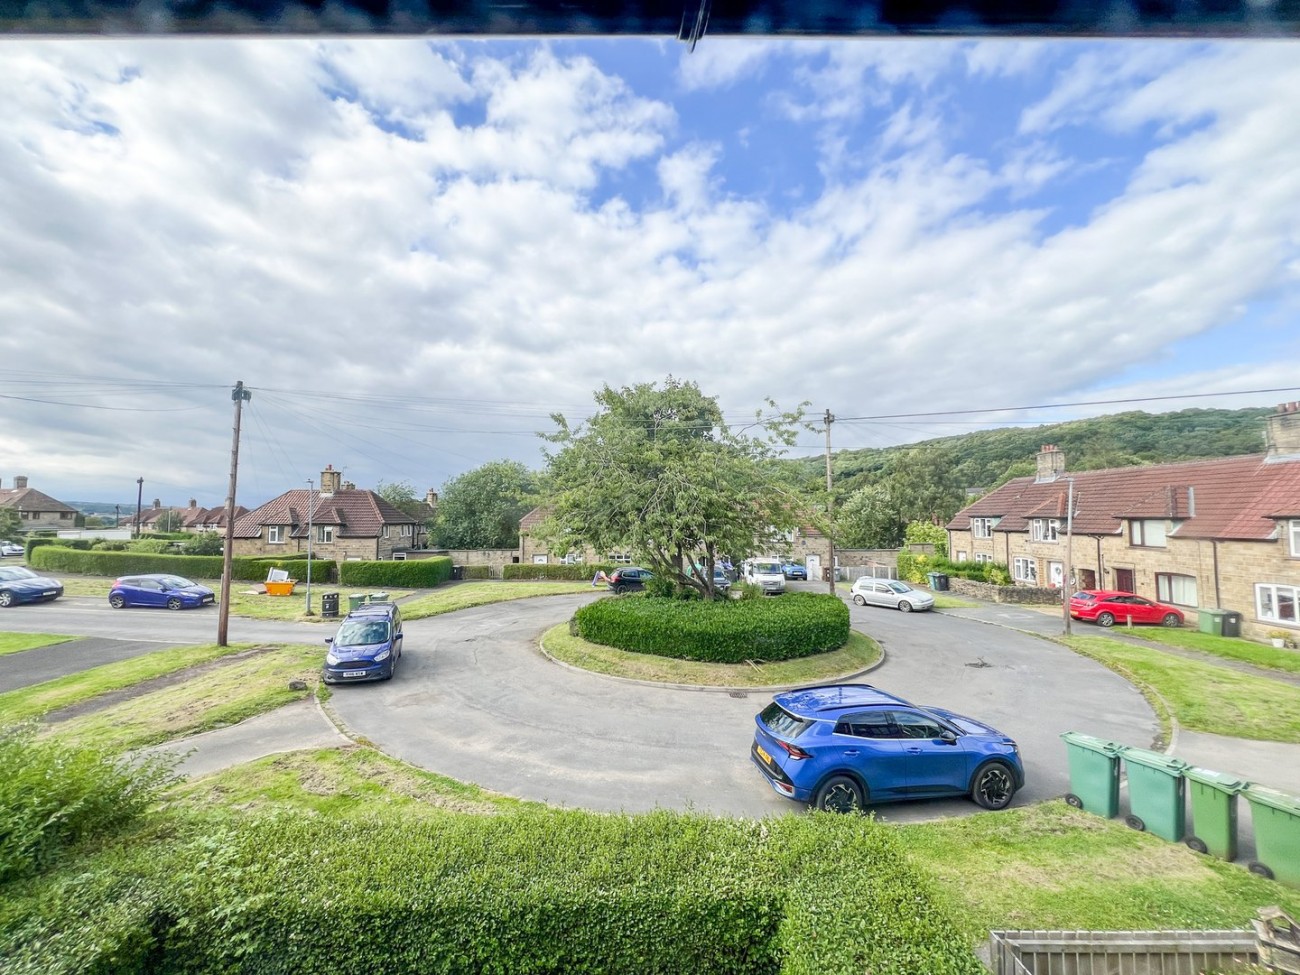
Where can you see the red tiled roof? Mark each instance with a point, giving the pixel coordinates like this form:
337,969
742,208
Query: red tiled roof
359,514
1231,497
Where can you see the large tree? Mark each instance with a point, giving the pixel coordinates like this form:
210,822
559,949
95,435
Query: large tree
657,471
482,507
10,522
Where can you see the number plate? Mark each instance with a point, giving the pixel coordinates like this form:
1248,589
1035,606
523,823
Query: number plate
354,673
763,754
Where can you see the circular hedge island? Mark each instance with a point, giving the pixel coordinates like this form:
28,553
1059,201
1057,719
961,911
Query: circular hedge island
729,631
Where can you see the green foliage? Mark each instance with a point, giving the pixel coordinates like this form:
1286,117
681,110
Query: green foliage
910,487
411,574
731,631
482,507
913,567
53,796
927,533
63,558
207,543
153,546
579,572
10,523
540,891
476,572
746,591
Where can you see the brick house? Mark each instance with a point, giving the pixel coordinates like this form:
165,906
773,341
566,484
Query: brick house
346,523
1219,533
36,511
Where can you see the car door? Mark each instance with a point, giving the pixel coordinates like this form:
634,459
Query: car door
869,743
147,592
1144,610
935,764
882,595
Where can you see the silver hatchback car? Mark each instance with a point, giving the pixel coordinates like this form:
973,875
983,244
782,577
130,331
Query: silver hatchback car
892,593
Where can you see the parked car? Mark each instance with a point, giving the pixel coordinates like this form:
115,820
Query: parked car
794,570
1106,607
19,585
766,574
841,747
367,646
159,589
629,578
721,581
892,593
10,549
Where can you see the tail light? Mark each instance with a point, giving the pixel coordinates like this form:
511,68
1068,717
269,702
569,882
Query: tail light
794,751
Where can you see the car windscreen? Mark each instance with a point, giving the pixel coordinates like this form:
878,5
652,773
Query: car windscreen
14,573
899,586
782,722
358,633
175,582
767,568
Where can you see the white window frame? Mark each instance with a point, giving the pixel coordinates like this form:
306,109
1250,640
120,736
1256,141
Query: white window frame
620,558
274,534
1046,529
325,533
981,527
574,558
1170,591
983,557
1268,603
1293,533
383,532
961,556
1141,530
1025,570
406,530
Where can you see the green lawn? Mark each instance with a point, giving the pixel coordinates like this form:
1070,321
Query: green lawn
1227,647
952,602
1202,696
469,594
857,655
16,642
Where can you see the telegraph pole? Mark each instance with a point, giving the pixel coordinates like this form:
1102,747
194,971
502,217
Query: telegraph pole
1066,586
139,502
311,504
240,395
830,500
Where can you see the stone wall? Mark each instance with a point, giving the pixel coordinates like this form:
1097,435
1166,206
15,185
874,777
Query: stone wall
1031,595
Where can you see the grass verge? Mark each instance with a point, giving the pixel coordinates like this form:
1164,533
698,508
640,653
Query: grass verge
1227,647
1202,696
856,655
470,594
18,642
32,702
1051,866
952,602
218,697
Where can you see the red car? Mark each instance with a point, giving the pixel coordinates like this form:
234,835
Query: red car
1107,607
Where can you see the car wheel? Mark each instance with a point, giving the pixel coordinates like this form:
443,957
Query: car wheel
1105,619
859,600
904,607
839,794
994,786
1171,619
174,603
619,590
117,600
6,598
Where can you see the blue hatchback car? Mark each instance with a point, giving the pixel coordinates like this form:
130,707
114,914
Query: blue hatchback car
20,585
845,746
367,645
159,589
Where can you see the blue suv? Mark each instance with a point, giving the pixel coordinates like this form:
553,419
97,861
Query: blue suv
367,645
844,746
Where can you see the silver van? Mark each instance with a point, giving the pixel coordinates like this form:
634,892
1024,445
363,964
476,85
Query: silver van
767,574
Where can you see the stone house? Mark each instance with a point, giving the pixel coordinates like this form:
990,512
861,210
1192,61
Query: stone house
36,511
346,523
1219,533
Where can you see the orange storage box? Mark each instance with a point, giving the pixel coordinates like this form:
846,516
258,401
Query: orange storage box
280,588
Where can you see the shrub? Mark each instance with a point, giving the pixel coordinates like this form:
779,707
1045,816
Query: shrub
476,572
59,558
206,544
581,572
411,574
786,627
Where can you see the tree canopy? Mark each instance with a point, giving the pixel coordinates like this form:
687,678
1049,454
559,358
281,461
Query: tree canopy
481,508
657,471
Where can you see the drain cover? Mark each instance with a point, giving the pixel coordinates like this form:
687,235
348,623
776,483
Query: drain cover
738,693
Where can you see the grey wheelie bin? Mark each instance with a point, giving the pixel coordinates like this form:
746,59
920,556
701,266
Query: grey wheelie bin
1214,811
1276,816
1094,774
1156,800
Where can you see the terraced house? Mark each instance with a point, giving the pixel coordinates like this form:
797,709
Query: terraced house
1221,534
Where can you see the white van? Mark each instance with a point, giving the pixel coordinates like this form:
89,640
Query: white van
766,573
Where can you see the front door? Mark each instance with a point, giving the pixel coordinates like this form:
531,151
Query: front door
1124,580
1055,574
814,568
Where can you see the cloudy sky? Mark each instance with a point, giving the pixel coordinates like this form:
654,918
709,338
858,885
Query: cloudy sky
415,252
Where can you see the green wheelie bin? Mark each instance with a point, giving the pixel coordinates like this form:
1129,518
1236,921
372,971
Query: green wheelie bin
1214,811
355,600
1156,800
1276,816
1094,774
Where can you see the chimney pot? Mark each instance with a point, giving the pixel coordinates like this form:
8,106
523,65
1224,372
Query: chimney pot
20,482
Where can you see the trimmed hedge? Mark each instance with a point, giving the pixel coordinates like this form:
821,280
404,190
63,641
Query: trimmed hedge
797,624
913,567
60,558
539,891
582,572
411,574
476,572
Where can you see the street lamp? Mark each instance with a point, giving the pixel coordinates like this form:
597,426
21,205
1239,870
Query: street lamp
311,504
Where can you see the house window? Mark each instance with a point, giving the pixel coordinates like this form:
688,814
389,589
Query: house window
1277,604
1293,532
961,556
1046,529
406,530
983,557
573,558
981,527
621,558
1177,589
24,515
384,531
325,533
1025,570
275,535
65,515
1146,532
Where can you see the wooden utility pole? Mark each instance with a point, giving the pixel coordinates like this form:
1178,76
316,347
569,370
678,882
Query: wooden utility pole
239,394
1067,589
830,501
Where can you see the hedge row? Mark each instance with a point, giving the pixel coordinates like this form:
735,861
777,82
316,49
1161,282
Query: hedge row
581,572
59,558
411,574
797,624
539,891
476,572
913,567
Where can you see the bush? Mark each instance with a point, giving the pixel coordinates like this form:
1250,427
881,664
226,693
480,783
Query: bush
787,627
52,796
411,574
476,572
913,568
60,558
581,572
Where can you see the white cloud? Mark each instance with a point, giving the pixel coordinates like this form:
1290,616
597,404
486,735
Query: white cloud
721,62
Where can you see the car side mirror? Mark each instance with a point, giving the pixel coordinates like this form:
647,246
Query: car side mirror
329,639
948,737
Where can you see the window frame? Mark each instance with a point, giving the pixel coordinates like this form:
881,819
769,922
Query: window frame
1293,534
1020,564
275,535
620,558
983,557
1273,588
325,534
1138,530
981,527
1165,588
1045,530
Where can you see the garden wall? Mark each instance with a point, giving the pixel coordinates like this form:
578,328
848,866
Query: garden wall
1025,595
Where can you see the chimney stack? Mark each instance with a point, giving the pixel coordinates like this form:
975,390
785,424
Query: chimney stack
431,498
157,502
330,481
1051,464
20,482
1282,433
194,502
